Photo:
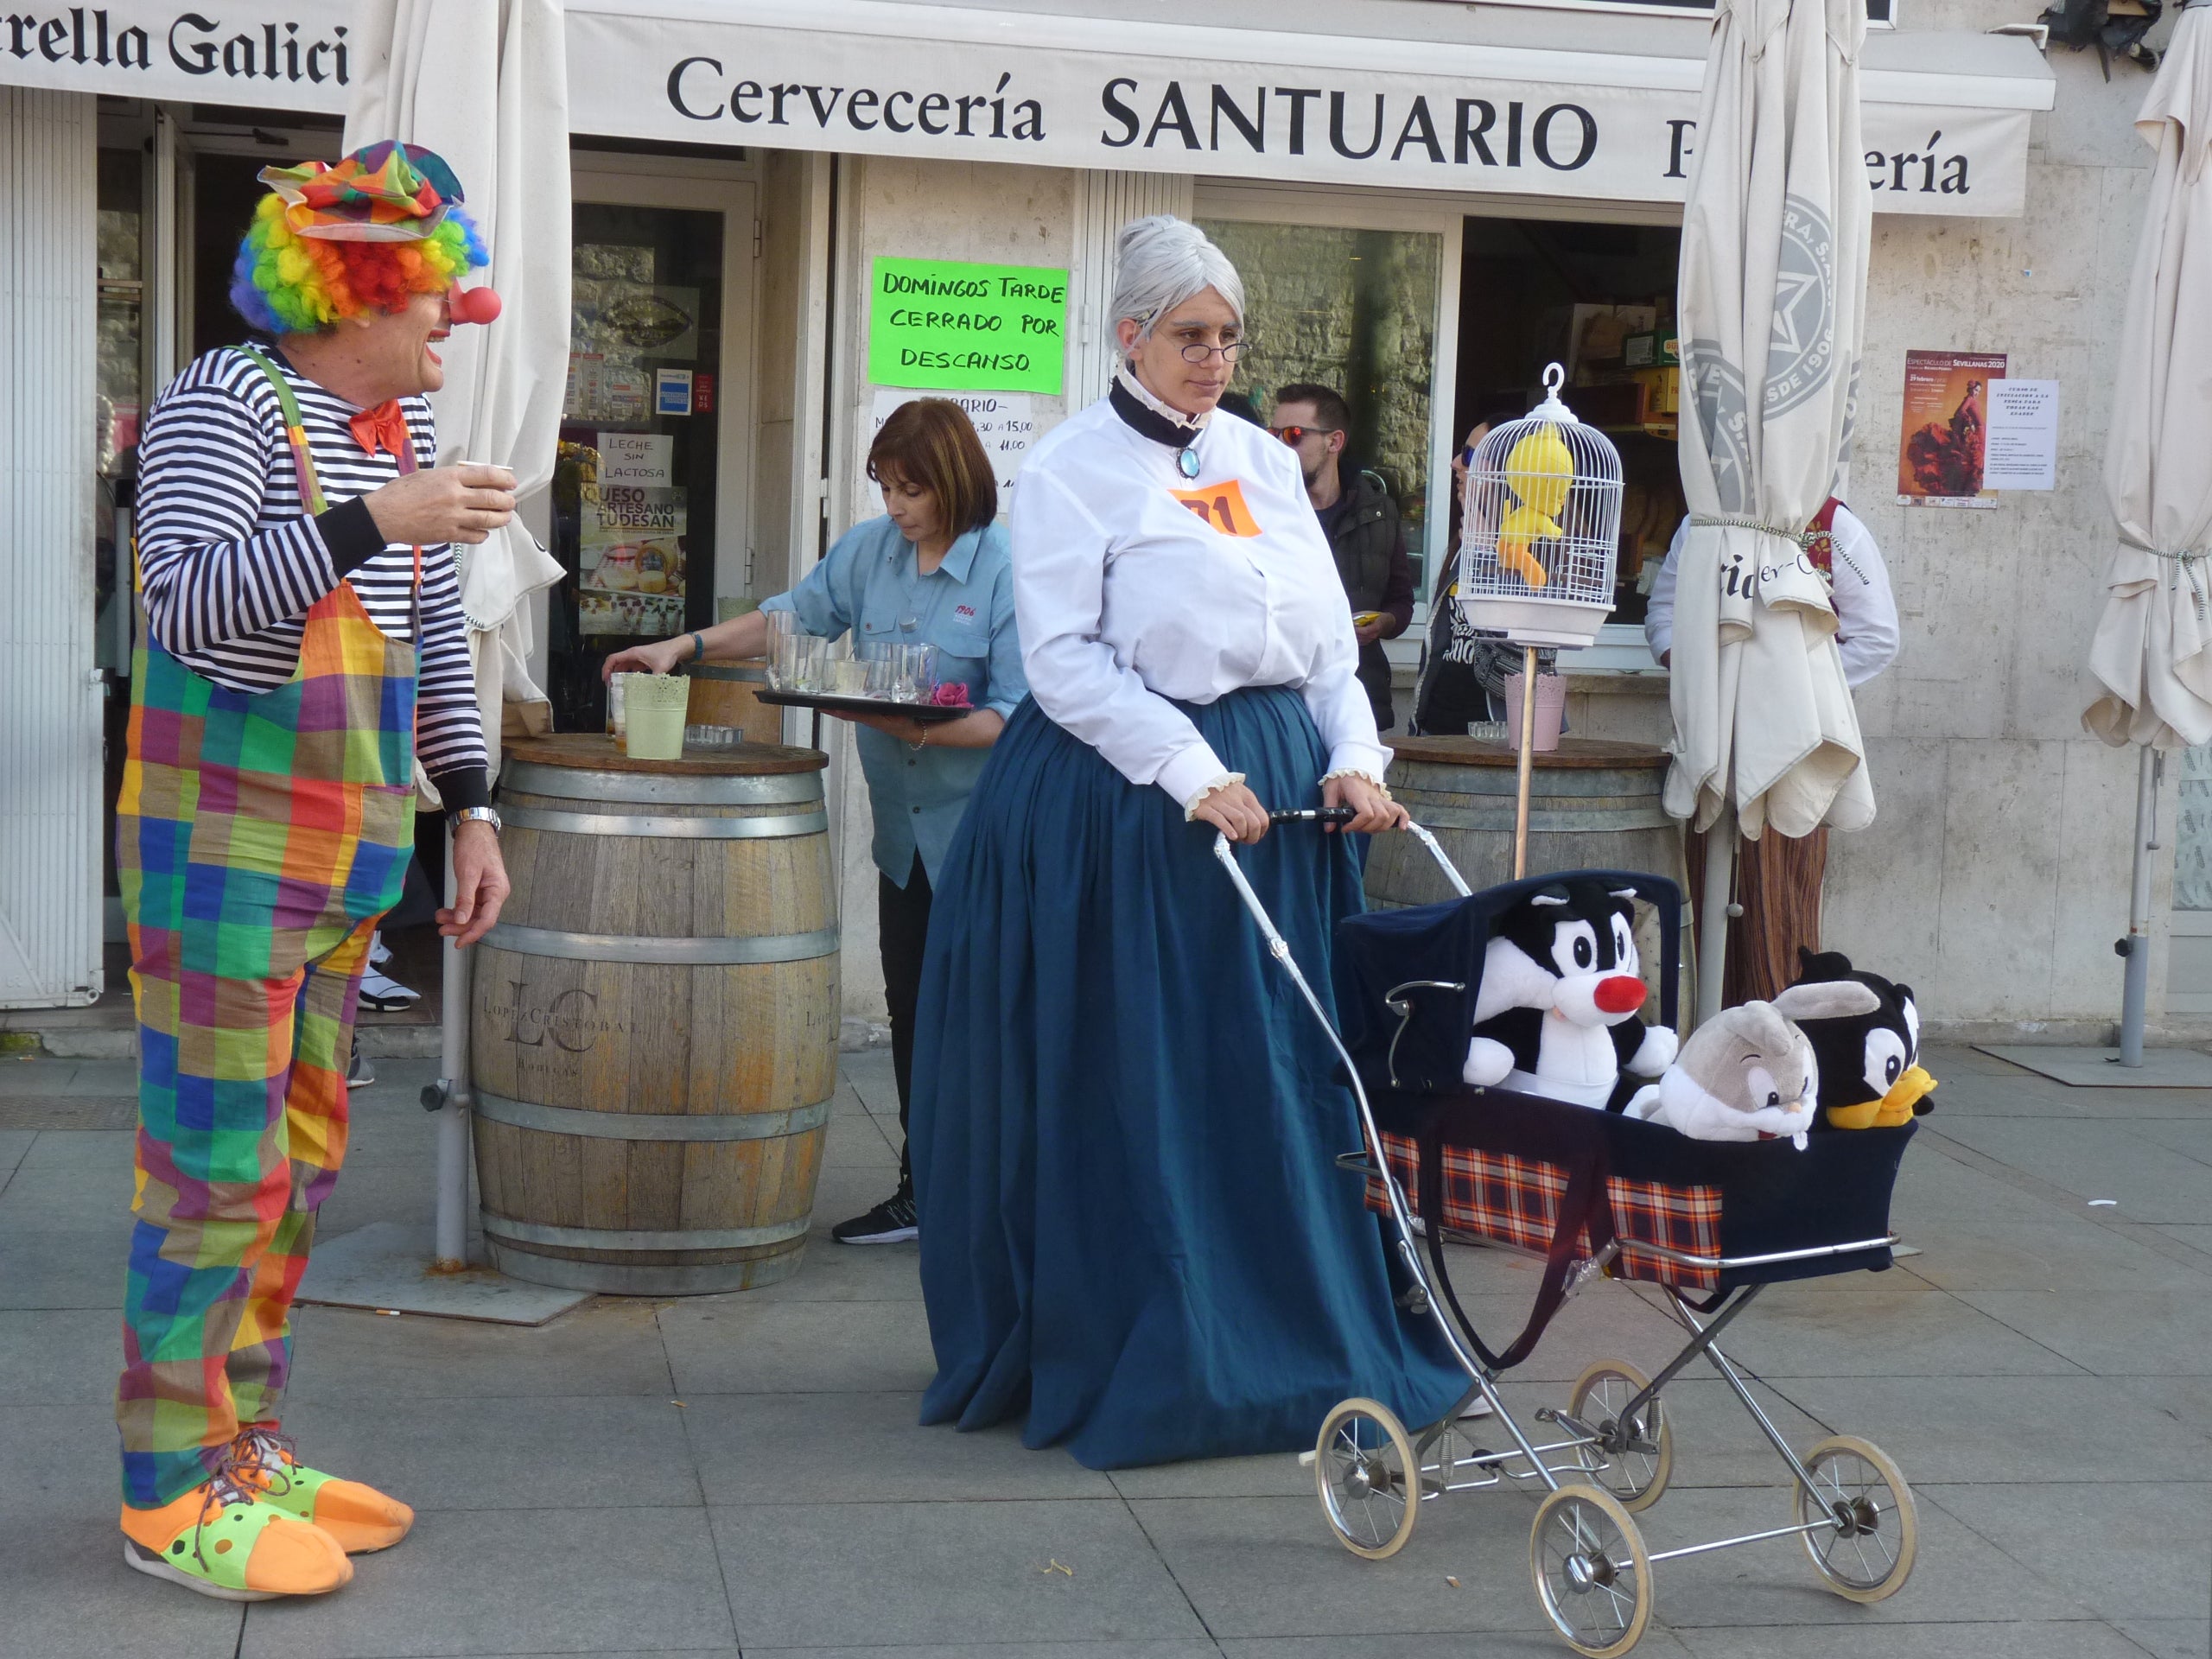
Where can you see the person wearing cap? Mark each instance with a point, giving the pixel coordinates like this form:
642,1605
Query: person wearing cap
303,645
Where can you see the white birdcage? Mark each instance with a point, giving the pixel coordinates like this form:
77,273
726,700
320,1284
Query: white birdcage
1542,526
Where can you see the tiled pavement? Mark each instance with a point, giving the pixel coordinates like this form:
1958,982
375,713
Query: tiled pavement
744,1473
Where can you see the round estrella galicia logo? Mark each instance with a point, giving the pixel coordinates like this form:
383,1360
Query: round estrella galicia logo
1800,352
1724,416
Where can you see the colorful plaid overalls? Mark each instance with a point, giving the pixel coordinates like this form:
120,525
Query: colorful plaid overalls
259,837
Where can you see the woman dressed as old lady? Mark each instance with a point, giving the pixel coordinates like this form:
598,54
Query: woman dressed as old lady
1132,1229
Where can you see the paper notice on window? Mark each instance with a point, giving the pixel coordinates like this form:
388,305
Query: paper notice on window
2022,451
1004,420
643,460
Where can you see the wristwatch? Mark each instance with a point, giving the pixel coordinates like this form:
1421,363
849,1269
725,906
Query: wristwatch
478,814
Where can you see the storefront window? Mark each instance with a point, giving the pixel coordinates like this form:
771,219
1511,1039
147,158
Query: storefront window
1355,310
633,495
1598,300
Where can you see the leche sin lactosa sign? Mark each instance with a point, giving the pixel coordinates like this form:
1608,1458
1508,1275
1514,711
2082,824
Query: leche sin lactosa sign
949,326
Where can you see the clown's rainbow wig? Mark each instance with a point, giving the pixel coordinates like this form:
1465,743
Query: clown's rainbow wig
287,283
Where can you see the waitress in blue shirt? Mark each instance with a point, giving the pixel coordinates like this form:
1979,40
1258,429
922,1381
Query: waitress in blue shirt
934,569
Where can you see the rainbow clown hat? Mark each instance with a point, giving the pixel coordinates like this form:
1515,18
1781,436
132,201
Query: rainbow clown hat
384,192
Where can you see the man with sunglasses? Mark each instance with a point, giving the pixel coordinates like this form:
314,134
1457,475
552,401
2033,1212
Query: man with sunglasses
1360,519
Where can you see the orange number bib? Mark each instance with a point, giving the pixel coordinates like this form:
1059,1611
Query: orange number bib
1221,505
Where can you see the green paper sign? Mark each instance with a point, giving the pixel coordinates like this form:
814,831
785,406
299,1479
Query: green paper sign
942,325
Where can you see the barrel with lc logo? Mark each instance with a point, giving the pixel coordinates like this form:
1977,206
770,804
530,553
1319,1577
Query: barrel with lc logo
654,1043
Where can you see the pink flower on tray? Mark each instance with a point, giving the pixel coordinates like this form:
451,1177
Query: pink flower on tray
953,694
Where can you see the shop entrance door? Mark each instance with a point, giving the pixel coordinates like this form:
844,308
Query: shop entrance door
49,683
2189,955
649,513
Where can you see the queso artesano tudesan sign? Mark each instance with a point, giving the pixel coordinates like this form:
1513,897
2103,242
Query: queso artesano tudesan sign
1507,120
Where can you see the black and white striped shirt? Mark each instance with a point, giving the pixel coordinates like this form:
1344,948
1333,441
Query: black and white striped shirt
230,559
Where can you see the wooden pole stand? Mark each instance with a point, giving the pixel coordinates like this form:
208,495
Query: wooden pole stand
1528,749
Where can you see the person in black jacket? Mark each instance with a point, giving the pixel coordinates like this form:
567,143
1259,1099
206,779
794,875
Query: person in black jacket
1361,520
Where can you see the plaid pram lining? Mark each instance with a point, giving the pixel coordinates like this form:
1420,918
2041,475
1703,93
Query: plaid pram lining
1516,1201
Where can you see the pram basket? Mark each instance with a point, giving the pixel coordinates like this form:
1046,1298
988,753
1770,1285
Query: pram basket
1591,1192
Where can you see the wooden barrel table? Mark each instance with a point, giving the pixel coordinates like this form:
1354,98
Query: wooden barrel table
723,694
1593,805
655,1032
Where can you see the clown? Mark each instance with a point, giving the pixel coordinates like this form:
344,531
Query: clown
304,645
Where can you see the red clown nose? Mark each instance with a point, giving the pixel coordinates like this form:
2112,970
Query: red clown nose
1619,994
475,305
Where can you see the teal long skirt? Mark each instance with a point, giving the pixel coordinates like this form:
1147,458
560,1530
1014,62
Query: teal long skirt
1133,1234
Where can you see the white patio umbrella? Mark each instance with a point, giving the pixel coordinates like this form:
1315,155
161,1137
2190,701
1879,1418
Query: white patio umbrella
2152,655
1773,301
485,84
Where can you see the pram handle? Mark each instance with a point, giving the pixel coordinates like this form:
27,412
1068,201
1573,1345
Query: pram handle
1342,815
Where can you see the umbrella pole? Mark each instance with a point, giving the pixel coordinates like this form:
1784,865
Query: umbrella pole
451,1236
1712,911
1527,745
2136,947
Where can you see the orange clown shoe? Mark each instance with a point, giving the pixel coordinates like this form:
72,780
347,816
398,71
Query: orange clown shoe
362,1519
220,1539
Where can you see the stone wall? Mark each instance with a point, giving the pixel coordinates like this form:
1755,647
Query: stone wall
1352,309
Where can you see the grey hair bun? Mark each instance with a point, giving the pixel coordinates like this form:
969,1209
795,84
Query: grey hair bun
1162,261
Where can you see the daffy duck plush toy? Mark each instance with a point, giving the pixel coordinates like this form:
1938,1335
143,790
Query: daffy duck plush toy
1870,1072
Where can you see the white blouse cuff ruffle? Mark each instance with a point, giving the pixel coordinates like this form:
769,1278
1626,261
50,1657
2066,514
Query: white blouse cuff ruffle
1227,779
1328,777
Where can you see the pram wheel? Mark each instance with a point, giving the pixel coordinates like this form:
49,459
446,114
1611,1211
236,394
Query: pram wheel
1636,1477
1591,1570
1370,1483
1867,1555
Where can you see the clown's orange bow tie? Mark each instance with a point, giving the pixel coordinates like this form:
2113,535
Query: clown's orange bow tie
382,428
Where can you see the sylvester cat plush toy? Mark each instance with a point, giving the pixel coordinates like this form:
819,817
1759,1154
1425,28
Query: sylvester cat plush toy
1870,1063
1556,1014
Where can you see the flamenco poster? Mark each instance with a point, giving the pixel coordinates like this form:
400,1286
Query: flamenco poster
1945,448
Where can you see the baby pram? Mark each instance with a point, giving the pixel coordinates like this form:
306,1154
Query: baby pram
1709,1223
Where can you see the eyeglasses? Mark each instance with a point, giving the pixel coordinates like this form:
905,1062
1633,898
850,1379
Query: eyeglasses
1197,351
1295,435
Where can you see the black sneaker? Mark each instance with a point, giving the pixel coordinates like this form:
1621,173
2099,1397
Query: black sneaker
891,1222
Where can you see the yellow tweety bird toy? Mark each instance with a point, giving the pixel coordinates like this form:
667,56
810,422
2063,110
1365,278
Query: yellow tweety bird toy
1539,471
